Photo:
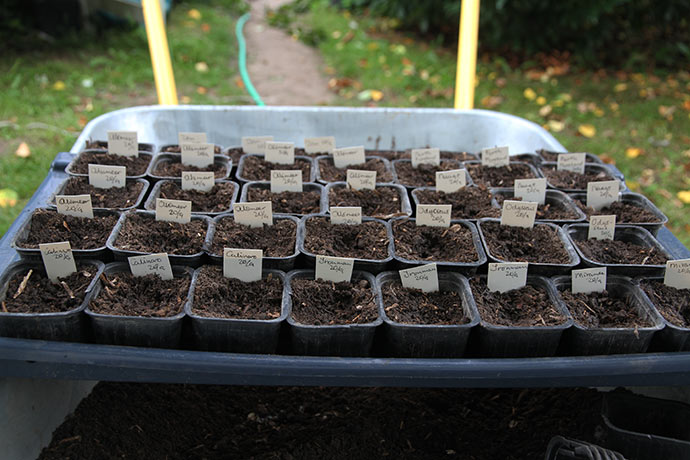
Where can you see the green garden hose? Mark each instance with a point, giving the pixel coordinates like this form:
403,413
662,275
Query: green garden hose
243,60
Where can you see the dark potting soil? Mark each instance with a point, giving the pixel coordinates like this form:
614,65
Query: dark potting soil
306,202
571,180
368,240
502,176
601,309
126,295
302,152
321,303
672,303
40,295
175,168
620,252
547,211
218,297
625,212
234,153
423,175
452,244
143,233
136,166
48,226
109,198
468,203
529,306
540,244
218,199
389,155
534,160
329,173
414,306
277,240
103,145
177,149
256,168
382,202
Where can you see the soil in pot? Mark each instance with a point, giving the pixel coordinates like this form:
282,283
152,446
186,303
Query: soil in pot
571,180
143,233
255,168
324,303
529,306
300,151
625,212
235,153
329,173
672,303
452,244
176,168
547,211
414,306
620,252
502,176
305,202
368,240
382,202
112,198
277,240
136,166
540,244
177,149
103,145
216,296
423,175
601,309
468,202
218,199
82,233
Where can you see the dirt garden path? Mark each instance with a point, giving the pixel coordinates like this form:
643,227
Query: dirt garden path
284,71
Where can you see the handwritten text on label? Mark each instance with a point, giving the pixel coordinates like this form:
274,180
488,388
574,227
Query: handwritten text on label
588,280
107,176
243,264
424,278
123,143
151,264
255,214
58,259
335,269
503,277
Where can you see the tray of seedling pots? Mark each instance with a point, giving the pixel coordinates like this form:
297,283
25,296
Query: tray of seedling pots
103,145
545,246
327,172
169,166
615,321
420,324
124,198
332,319
230,315
254,168
548,156
136,165
632,252
139,311
175,148
87,237
385,202
558,208
138,233
424,175
278,241
674,306
218,200
569,181
500,176
469,203
524,322
311,200
34,307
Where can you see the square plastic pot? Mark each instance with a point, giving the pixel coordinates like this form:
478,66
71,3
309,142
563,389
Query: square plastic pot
103,146
150,204
70,166
671,337
306,187
145,187
405,207
561,448
553,197
405,340
177,158
329,158
239,174
417,200
332,340
535,172
595,168
395,165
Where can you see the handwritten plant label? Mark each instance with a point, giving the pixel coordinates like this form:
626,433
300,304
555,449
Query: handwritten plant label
58,259
434,215
359,179
678,274
179,211
495,157
282,153
151,264
425,157
202,181
74,205
254,214
123,143
346,156
191,138
335,269
519,213
573,162
451,181
255,144
424,278
348,215
101,176
286,181
531,190
507,276
588,280
319,144
602,194
199,155
601,227
243,264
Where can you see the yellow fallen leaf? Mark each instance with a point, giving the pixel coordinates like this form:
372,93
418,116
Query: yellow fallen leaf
185,99
205,27
686,104
633,152
587,130
201,90
59,85
558,103
529,94
194,14
201,67
372,46
376,95
23,151
632,185
544,111
614,106
8,198
684,196
555,126
541,100
620,87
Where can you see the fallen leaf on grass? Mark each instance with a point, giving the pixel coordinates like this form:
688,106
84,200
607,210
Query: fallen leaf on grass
185,99
544,111
529,94
555,126
686,104
608,159
59,85
587,130
667,111
194,14
8,198
684,196
633,152
541,100
491,101
82,121
201,67
201,90
620,87
23,151
239,83
370,95
205,28
632,185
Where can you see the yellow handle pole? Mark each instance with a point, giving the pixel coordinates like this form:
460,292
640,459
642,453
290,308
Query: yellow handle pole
160,54
467,54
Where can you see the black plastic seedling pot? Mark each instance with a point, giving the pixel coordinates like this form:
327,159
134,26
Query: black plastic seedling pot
136,204
561,448
103,146
553,198
70,166
329,159
405,207
220,160
306,187
239,173
150,204
395,165
672,337
591,168
535,172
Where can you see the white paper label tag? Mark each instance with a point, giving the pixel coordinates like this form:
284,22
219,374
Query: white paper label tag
434,215
58,259
424,278
573,162
202,181
519,213
346,156
602,194
255,144
254,214
531,190
335,269
507,276
588,280
101,176
451,181
319,144
425,157
601,227
495,157
286,181
74,205
179,211
678,274
348,215
123,143
198,155
191,138
151,264
282,153
360,179
243,264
